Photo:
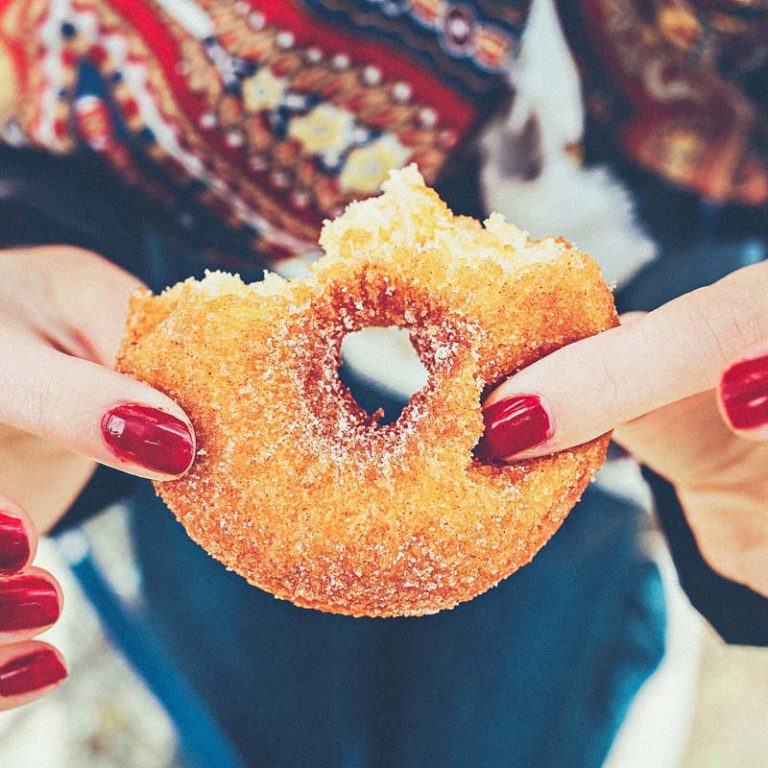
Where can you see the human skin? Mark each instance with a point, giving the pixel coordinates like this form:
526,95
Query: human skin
62,408
686,389
658,380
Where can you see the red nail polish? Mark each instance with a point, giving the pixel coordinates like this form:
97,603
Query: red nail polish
27,602
744,391
149,437
14,544
31,672
513,425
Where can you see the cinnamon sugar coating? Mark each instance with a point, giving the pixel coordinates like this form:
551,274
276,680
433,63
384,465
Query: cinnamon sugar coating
294,486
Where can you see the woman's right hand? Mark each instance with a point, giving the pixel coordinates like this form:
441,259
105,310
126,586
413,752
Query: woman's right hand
686,387
63,408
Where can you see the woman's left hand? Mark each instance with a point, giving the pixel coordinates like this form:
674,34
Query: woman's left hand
686,388
30,603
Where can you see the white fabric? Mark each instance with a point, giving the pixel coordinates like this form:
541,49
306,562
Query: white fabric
588,206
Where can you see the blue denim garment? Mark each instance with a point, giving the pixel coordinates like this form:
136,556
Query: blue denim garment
539,671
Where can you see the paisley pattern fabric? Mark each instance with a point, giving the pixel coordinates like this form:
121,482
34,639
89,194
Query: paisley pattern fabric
264,117
681,88
270,115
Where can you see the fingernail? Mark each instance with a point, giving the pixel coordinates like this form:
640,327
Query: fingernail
31,672
14,544
744,391
27,602
513,425
149,437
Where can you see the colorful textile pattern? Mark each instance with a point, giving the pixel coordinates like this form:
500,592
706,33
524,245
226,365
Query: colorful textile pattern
681,86
269,115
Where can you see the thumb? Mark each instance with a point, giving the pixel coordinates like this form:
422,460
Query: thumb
587,388
92,410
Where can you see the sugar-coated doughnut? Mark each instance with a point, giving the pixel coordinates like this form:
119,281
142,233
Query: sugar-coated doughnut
295,486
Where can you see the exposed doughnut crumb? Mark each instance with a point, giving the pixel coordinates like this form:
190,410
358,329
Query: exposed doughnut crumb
299,490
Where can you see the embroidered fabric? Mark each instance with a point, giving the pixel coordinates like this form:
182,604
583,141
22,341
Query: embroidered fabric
270,116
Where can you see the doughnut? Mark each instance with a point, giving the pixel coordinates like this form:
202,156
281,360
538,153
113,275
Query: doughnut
301,491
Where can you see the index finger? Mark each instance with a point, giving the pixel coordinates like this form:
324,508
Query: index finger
585,389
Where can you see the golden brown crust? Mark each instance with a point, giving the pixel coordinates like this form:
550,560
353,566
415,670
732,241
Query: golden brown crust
294,487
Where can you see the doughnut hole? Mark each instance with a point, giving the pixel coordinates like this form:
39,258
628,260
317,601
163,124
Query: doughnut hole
443,339
381,369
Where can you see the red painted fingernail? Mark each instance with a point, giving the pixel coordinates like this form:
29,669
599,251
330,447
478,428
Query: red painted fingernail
27,602
149,437
14,544
744,390
31,672
513,425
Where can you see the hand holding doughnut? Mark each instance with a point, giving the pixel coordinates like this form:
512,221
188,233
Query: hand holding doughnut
686,388
62,312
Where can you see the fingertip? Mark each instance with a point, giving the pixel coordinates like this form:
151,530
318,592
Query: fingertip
515,427
147,441
18,538
743,396
29,670
30,603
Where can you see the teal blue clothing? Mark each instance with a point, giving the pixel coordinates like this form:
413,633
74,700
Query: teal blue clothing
538,672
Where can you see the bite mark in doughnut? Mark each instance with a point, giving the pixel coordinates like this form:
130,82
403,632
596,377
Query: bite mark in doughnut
295,486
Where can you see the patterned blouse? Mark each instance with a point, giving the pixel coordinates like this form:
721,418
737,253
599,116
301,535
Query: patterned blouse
270,115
